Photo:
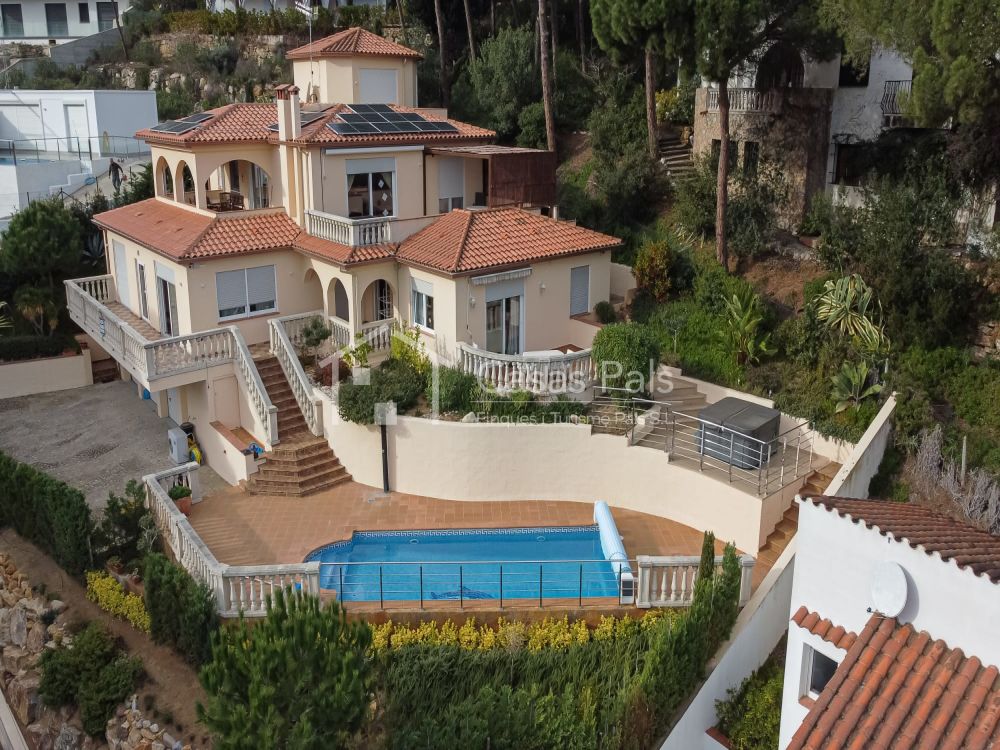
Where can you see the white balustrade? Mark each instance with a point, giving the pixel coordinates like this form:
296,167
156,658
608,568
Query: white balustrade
236,589
340,333
351,232
285,352
744,100
669,581
379,334
540,374
264,410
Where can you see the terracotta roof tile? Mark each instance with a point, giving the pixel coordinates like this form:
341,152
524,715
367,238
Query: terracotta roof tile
924,529
237,233
465,241
343,254
249,123
353,42
823,628
898,688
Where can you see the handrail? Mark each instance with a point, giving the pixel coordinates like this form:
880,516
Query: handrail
266,412
538,373
302,389
237,589
744,100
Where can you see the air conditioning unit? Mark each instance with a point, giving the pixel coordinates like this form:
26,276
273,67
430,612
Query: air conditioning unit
178,440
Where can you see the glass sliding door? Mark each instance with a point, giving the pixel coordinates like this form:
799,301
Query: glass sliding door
503,325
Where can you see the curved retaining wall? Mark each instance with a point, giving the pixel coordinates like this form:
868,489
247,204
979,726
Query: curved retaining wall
480,461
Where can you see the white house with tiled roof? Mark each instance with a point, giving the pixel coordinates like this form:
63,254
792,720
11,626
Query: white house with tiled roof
891,641
363,209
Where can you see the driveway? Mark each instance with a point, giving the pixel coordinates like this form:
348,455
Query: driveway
94,438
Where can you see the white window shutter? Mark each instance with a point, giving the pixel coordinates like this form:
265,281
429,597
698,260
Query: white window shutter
261,289
579,293
231,291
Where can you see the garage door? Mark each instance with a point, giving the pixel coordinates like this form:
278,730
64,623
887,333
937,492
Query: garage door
20,121
378,86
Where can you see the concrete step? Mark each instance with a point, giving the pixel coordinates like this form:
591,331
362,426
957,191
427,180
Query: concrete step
299,475
297,489
105,371
293,450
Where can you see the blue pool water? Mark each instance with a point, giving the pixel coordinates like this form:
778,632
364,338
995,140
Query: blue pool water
468,564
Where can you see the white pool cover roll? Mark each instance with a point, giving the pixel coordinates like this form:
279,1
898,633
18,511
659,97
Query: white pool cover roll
611,541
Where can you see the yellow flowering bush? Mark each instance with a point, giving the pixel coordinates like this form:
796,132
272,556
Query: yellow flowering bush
550,633
104,590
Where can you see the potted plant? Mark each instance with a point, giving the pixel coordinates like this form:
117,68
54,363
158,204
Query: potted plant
181,496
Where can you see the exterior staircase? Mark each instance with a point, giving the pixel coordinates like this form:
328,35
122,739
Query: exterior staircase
815,484
105,370
611,418
301,463
675,156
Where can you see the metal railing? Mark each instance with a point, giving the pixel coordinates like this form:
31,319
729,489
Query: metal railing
669,581
890,96
469,583
350,232
72,148
540,374
764,465
745,100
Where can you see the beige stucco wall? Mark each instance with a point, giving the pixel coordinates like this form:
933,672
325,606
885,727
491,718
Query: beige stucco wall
45,375
294,295
337,80
133,252
459,461
441,341
473,179
219,398
408,189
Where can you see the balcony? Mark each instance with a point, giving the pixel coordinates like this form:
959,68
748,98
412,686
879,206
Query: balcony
746,100
362,232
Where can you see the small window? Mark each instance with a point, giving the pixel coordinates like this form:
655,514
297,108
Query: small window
717,151
579,290
751,157
245,292
106,15
423,307
370,195
84,12
13,22
55,20
851,164
820,671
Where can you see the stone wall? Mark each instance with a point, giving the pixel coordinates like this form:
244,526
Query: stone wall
793,132
128,729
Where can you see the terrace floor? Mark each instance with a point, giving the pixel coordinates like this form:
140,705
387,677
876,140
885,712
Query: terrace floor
243,529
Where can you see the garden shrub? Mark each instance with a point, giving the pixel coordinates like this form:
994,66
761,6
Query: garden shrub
626,355
700,351
47,512
105,590
127,530
406,346
564,689
394,380
653,269
182,611
92,674
18,348
751,715
605,312
521,405
458,391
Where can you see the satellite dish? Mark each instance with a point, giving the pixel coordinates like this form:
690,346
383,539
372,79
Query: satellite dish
889,589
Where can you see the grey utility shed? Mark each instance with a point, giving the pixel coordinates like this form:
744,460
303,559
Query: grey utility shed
738,432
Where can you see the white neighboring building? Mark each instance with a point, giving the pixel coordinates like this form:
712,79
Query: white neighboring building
924,677
37,22
52,140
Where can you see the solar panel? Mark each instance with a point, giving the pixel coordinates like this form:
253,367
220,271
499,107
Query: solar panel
196,118
175,127
372,119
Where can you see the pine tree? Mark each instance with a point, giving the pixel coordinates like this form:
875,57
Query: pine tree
298,679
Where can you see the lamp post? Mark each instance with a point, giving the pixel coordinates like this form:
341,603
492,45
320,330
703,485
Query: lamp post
385,415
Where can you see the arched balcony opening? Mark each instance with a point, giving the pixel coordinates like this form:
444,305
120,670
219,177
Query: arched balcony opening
337,303
238,185
185,186
164,186
377,302
312,291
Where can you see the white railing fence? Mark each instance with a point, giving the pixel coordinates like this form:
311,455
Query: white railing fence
555,374
236,588
379,334
351,232
288,358
744,100
669,581
340,333
265,412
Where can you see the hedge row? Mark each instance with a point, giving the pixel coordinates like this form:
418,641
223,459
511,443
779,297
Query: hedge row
47,512
18,348
182,611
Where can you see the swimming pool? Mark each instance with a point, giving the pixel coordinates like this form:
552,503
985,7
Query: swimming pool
459,564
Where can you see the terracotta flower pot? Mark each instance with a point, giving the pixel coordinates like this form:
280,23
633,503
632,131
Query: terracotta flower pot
184,505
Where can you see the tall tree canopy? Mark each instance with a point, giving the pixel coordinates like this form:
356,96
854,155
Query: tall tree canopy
732,33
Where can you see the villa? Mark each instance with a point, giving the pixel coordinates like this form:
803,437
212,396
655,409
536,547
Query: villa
881,651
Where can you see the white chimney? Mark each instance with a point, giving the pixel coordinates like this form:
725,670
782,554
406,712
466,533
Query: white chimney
289,111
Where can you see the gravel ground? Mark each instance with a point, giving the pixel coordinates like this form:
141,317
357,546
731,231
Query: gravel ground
95,438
